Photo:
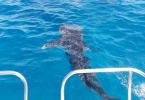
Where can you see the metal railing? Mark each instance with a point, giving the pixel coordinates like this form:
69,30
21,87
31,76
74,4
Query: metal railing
101,70
21,77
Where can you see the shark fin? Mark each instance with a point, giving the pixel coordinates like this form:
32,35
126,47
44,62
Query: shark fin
86,48
51,44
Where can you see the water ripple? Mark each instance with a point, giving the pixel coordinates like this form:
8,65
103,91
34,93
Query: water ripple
114,29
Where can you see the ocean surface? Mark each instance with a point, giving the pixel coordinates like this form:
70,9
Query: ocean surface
113,29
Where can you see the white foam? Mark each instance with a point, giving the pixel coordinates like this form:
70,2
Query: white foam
139,90
123,78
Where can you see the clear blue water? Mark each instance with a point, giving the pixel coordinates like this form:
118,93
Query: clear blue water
114,29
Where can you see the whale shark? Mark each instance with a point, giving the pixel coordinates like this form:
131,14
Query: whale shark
71,39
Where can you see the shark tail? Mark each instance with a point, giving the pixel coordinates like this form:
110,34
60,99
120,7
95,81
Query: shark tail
91,82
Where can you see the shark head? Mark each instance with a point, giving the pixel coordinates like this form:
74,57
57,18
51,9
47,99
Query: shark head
71,29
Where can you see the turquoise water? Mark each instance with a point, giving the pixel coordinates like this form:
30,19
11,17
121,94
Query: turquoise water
114,29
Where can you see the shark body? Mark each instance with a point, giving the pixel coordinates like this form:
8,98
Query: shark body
72,40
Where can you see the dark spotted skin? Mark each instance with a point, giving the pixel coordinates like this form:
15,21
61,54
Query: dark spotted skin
72,40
